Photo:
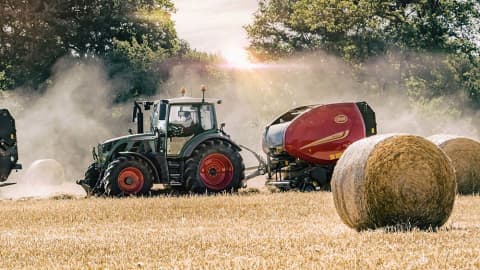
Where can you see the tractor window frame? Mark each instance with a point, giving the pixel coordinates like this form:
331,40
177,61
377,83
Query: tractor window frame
213,123
162,111
191,129
153,117
193,110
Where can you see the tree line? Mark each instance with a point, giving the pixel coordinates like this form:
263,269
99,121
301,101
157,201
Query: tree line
432,46
136,39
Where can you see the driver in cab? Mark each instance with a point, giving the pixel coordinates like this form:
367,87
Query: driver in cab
184,125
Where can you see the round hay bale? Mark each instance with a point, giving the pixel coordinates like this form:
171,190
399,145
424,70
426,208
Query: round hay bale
465,156
44,172
394,180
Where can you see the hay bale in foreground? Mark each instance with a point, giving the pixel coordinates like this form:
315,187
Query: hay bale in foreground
394,180
465,156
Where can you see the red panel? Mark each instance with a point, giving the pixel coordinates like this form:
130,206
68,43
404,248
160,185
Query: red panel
323,133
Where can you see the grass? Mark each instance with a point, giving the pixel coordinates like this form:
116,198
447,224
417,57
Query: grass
254,231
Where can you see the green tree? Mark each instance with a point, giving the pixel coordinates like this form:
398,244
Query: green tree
431,45
359,29
34,34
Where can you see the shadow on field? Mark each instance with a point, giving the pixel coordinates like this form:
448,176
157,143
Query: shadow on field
155,193
410,228
183,193
169,192
406,228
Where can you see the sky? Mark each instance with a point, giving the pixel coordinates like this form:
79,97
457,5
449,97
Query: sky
214,26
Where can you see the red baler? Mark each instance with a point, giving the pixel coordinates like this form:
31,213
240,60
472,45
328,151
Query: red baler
304,144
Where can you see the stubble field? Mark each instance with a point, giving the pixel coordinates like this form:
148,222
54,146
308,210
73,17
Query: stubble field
250,231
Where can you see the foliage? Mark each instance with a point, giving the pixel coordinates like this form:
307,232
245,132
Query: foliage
137,63
359,29
412,36
35,34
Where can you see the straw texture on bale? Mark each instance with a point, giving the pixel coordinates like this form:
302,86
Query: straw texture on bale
465,156
394,180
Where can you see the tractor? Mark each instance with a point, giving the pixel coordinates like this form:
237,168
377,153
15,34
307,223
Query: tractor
8,147
184,149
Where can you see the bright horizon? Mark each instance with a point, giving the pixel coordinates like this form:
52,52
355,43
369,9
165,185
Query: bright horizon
214,26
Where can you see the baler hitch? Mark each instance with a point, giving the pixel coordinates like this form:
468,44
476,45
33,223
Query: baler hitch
262,167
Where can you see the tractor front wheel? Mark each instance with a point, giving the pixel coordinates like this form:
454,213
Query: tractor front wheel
215,166
128,175
90,181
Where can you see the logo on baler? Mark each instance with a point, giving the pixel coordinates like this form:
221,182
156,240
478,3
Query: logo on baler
340,119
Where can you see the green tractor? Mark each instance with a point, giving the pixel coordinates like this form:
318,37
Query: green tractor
185,149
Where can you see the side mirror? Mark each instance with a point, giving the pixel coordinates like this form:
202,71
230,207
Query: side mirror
222,125
130,131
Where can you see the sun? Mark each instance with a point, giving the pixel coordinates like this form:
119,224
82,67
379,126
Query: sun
238,58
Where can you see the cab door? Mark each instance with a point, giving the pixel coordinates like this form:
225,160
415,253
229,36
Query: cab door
183,125
187,121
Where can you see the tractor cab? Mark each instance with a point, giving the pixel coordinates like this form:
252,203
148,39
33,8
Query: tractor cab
183,116
179,120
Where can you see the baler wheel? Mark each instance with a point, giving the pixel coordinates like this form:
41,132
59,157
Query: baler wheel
128,175
215,166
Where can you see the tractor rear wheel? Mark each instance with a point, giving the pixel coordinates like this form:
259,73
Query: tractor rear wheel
128,175
215,166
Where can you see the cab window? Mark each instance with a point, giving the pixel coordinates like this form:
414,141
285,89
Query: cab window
153,118
207,117
183,120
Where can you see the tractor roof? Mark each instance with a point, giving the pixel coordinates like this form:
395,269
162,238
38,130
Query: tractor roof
191,100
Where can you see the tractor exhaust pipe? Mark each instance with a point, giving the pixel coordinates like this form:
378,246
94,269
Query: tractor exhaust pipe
138,116
140,122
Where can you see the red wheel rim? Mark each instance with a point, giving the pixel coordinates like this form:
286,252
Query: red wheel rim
216,171
130,180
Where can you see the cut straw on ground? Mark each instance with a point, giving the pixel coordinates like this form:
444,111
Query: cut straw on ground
261,231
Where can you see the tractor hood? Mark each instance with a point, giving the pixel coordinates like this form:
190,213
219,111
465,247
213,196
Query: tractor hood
132,137
120,143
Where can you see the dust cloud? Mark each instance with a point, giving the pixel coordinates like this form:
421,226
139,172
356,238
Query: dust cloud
76,112
73,115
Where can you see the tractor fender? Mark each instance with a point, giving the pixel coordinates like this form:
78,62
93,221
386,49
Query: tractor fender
145,158
202,138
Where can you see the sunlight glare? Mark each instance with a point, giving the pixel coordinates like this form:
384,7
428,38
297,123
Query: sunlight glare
238,58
